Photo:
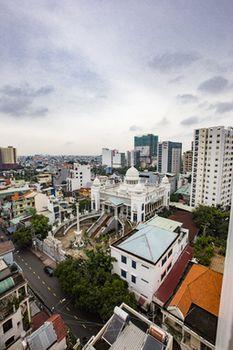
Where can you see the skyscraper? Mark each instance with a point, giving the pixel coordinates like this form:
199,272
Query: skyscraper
147,145
212,166
169,157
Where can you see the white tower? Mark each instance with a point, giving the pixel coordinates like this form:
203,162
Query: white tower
95,195
224,339
167,186
78,232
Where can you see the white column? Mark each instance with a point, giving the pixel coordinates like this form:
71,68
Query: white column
224,339
77,211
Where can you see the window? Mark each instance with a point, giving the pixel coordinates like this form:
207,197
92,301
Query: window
123,259
163,275
133,279
169,253
7,325
123,273
9,341
134,264
169,266
164,260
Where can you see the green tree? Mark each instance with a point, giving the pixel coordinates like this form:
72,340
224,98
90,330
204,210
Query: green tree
90,282
40,225
204,250
22,237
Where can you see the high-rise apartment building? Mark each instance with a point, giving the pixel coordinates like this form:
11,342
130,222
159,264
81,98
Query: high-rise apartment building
187,161
169,157
113,158
147,145
132,158
7,157
212,169
107,157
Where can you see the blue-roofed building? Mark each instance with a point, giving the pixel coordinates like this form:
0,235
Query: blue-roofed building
145,256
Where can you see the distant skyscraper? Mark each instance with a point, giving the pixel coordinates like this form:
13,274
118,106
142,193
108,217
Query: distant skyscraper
7,157
169,157
107,157
187,161
113,158
147,145
132,158
224,339
212,166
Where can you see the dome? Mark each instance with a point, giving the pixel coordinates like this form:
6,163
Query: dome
165,180
132,174
96,182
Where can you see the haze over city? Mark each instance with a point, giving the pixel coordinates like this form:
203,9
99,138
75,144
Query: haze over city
77,76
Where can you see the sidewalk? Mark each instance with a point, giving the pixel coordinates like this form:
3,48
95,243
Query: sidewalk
45,259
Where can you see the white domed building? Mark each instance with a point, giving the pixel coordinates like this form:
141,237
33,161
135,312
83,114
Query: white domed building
130,199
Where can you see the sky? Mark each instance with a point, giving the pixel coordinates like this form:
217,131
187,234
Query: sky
79,75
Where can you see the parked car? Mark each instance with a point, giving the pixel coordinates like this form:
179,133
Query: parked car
49,270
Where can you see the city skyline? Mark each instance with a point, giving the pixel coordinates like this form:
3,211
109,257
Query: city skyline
82,75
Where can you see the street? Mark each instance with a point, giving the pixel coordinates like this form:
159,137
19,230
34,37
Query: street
48,289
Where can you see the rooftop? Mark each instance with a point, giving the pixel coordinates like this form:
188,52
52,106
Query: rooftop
164,223
127,329
6,247
202,287
148,242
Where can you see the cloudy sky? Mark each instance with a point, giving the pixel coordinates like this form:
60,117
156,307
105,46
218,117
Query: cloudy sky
76,76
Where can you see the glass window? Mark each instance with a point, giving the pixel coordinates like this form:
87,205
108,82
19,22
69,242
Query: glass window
123,259
123,273
164,260
7,325
134,264
163,275
9,341
169,253
133,279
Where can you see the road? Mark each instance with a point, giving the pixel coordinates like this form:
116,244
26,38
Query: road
48,289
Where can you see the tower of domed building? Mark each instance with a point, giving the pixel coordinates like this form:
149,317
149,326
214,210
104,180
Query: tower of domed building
131,199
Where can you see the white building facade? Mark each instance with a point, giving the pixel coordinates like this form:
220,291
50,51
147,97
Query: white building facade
169,157
145,256
212,168
107,157
79,177
131,199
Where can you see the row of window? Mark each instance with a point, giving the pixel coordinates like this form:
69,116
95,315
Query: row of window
166,257
124,275
124,261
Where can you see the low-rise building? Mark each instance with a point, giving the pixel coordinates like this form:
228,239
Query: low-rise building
192,314
145,256
14,305
44,178
128,329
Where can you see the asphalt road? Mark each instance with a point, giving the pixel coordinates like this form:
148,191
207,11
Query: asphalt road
48,289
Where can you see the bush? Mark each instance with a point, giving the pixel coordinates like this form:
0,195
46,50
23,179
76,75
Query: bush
204,250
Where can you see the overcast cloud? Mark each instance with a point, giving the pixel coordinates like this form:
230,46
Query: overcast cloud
79,75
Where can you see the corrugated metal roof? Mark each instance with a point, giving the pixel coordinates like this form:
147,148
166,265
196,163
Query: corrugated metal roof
6,284
131,337
148,242
43,337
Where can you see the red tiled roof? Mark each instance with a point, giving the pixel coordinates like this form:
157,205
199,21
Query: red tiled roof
202,287
167,288
59,326
186,218
39,319
6,247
